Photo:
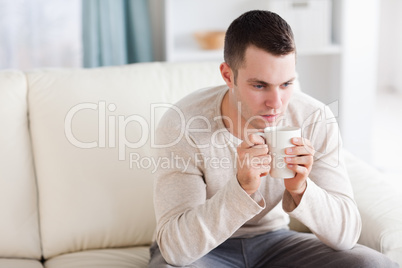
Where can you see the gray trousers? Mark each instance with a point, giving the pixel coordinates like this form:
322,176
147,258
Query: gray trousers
282,248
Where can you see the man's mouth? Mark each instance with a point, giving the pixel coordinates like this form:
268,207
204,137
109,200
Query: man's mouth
270,117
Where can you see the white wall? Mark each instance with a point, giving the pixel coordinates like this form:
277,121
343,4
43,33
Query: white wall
398,51
390,50
390,41
359,72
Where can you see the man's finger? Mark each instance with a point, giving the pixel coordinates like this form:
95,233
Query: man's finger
252,140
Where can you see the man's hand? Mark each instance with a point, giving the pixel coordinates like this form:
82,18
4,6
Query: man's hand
253,162
301,164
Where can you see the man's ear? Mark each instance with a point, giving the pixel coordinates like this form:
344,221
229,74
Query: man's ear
227,74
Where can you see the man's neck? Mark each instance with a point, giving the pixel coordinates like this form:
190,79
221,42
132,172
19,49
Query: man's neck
231,118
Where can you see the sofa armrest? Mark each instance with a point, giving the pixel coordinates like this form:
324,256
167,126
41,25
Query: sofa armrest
380,206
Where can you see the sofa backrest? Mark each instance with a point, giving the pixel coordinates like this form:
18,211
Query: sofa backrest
92,133
19,230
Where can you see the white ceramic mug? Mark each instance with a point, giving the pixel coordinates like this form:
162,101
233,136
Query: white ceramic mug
278,139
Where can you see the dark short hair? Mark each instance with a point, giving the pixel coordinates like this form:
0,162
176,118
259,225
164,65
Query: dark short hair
263,29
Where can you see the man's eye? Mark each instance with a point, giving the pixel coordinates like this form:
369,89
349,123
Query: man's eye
287,84
259,86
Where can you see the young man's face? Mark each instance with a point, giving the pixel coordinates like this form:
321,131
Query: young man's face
263,87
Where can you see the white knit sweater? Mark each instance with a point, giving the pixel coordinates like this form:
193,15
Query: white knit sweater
199,202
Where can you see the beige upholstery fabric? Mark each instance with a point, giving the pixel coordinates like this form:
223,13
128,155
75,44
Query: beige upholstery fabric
19,231
87,128
19,263
380,208
117,258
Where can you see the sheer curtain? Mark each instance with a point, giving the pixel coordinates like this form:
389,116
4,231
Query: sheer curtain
116,32
40,33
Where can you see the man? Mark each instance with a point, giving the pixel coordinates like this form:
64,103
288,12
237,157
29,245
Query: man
217,205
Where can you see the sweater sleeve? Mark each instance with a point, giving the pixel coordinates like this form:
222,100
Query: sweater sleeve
327,207
188,224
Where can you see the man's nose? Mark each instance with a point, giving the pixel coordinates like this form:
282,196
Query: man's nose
273,99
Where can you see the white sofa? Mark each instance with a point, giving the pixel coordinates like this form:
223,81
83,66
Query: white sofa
76,171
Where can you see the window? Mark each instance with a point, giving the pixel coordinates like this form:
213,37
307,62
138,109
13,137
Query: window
40,33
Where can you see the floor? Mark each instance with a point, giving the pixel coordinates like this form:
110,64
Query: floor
387,135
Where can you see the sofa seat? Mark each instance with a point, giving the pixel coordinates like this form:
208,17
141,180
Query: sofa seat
19,263
116,258
379,203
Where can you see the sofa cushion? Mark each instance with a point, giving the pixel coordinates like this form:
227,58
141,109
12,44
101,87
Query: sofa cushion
117,258
379,205
91,133
19,263
19,231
